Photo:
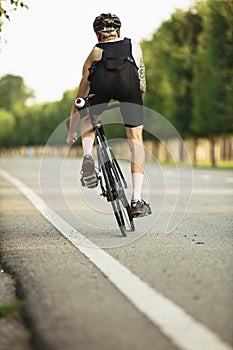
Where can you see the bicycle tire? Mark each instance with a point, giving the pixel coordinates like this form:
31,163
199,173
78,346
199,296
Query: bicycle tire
123,216
114,189
123,201
119,216
120,204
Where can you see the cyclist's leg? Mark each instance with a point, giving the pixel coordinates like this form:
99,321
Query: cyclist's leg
88,174
132,114
88,136
138,206
87,133
135,140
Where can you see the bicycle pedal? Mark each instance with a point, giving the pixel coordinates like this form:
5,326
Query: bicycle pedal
90,181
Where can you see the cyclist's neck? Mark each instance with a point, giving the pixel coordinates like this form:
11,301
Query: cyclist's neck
110,39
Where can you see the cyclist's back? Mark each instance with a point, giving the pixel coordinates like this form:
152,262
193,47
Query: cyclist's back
115,75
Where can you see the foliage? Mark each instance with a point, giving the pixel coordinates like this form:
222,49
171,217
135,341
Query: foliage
190,70
213,69
7,124
6,7
170,56
13,92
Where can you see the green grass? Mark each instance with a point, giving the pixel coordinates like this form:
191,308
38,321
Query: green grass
6,310
219,165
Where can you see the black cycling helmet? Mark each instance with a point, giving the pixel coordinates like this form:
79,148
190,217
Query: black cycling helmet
106,20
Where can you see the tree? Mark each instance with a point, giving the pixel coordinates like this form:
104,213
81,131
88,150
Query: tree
7,123
213,73
169,58
6,6
13,97
13,92
189,70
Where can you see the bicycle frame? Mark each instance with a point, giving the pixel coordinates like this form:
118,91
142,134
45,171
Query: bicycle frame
114,182
107,156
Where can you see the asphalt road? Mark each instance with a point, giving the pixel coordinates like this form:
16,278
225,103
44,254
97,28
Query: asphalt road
80,300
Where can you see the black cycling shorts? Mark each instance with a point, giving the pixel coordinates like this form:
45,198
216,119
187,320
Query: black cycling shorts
122,86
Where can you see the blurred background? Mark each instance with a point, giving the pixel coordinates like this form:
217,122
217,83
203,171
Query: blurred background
189,69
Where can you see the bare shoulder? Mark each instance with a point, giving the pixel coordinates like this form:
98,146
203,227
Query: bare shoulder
96,54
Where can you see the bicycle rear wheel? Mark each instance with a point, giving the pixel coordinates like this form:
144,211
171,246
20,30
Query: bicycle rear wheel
114,189
116,195
123,215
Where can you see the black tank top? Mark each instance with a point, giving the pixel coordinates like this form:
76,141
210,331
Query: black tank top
116,54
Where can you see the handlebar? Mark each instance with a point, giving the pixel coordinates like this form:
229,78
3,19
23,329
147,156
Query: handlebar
83,102
83,105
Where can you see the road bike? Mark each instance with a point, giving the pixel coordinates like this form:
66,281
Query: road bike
109,174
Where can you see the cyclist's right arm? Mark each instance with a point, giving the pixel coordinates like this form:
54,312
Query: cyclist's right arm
83,90
84,84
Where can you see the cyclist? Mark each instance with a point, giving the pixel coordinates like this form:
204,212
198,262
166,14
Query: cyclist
114,70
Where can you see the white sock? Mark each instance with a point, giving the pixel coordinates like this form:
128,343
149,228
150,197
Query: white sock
137,180
87,143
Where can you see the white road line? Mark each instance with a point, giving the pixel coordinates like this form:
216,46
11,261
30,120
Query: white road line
172,320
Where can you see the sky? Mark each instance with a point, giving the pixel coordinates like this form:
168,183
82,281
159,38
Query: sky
48,43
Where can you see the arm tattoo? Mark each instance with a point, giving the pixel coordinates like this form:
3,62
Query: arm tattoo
142,75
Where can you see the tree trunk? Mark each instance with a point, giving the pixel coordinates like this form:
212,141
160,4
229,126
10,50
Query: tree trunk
195,143
212,151
182,151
